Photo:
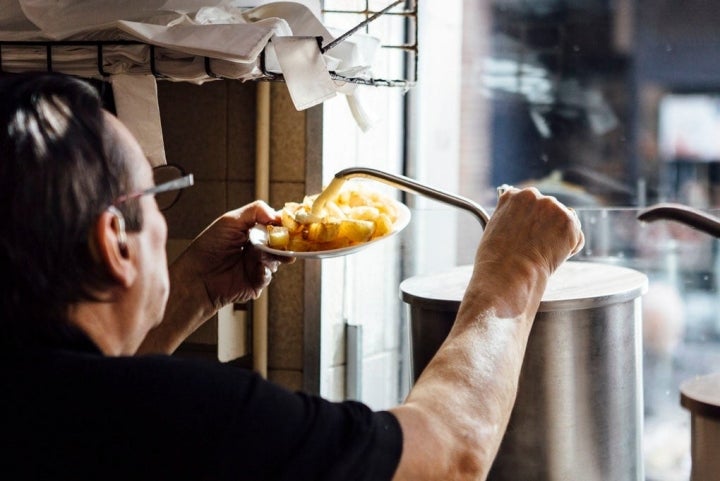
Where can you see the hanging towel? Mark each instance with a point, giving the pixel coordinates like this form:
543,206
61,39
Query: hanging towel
136,104
304,69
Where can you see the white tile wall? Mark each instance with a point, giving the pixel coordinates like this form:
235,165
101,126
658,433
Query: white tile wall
362,289
380,384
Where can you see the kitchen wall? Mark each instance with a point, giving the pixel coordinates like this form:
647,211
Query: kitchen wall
362,338
209,130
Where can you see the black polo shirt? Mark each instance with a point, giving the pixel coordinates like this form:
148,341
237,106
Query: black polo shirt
74,414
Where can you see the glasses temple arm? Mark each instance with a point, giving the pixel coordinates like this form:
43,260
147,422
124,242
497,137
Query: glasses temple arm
180,183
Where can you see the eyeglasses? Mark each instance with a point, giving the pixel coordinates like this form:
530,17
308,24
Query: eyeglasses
169,180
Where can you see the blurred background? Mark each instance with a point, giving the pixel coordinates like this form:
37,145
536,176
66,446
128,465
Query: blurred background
610,105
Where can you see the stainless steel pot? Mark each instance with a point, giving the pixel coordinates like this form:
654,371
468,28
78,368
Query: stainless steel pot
579,410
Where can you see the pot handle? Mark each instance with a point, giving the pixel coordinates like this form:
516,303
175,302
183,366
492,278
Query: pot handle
684,214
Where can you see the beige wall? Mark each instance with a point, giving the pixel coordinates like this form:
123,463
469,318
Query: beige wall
209,130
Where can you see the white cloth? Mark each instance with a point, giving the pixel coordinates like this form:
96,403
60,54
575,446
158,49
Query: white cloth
136,105
200,39
304,69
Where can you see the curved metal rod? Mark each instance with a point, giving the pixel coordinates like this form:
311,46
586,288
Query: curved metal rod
409,185
683,214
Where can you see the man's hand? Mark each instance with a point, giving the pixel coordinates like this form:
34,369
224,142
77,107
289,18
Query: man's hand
230,268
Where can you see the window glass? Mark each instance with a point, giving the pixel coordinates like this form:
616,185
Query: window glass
611,106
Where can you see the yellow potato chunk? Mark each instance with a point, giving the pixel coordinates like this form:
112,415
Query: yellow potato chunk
288,217
357,230
323,231
338,243
383,225
298,244
364,212
345,216
278,236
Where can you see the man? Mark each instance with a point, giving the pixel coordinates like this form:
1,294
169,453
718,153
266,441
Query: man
89,296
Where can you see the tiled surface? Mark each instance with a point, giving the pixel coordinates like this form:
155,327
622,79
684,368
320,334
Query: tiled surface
380,380
241,118
210,131
333,315
288,378
281,192
285,323
286,301
240,193
287,138
206,334
197,207
376,304
194,122
334,378
369,290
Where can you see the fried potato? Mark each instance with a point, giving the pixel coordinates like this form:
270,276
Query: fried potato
364,212
288,217
383,225
325,231
278,237
350,215
357,230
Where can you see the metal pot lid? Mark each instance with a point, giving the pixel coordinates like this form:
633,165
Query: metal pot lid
701,395
575,285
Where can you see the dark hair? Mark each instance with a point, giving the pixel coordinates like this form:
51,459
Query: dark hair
59,169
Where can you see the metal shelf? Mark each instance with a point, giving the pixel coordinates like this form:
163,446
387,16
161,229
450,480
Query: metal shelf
48,54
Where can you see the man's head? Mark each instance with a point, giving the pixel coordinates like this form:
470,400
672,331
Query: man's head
63,162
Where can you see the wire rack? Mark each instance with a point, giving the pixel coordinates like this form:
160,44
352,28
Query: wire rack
396,62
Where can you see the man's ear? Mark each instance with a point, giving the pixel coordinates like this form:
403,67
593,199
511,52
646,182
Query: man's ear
112,246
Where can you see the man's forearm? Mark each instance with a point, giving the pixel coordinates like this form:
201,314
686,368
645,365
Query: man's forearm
458,410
